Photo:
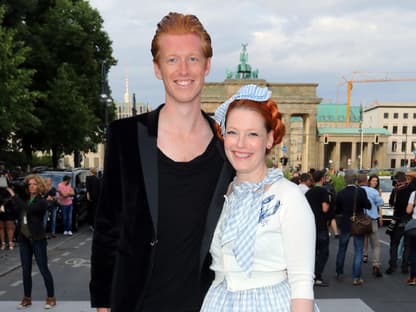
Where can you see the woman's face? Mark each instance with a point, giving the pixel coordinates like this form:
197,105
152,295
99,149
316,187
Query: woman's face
33,187
373,182
245,143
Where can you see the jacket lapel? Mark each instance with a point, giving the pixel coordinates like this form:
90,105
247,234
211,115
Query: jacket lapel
215,207
147,144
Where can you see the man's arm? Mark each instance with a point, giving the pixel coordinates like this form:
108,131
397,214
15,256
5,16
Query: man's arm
106,230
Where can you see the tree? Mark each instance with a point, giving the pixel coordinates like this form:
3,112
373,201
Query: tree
16,100
68,132
68,46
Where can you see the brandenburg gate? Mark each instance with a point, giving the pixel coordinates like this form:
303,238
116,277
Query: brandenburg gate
293,100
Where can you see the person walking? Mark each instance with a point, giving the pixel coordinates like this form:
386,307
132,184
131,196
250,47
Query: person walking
344,201
320,201
32,238
165,176
399,199
411,239
264,243
373,182
93,191
66,193
375,214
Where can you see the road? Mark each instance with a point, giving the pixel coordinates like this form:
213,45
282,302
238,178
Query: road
70,266
386,294
69,262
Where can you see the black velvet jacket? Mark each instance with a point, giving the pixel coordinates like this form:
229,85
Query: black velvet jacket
35,214
127,214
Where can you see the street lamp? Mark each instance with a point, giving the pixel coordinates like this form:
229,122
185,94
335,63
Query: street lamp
105,98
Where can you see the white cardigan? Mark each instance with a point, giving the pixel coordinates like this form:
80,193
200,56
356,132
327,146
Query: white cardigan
284,247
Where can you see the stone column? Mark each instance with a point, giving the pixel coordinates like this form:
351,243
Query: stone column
310,158
369,149
286,138
337,156
354,159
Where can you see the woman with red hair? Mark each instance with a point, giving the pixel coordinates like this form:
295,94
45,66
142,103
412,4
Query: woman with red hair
261,259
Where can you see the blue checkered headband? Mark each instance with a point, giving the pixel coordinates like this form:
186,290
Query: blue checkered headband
247,92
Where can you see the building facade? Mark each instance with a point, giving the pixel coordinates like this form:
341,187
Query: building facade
399,120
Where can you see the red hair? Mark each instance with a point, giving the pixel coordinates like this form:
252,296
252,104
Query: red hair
268,110
181,24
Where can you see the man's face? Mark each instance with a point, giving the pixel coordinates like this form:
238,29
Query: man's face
182,66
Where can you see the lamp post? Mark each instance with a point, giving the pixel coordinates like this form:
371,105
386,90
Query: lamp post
105,98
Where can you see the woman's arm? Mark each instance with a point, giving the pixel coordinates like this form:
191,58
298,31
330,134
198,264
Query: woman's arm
301,305
299,235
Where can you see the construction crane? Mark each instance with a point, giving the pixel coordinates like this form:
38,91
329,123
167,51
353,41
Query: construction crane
351,81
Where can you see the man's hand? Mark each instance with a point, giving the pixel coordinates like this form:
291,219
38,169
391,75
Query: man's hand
103,309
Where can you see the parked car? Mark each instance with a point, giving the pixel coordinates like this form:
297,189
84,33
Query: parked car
78,183
386,186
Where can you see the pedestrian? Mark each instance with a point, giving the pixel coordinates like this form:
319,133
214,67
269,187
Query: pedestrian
93,191
66,193
329,186
51,198
165,176
399,199
319,199
7,220
373,182
263,245
345,200
32,238
305,182
411,239
375,214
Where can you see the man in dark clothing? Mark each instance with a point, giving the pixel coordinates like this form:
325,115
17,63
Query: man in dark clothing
344,202
93,191
165,176
319,200
399,198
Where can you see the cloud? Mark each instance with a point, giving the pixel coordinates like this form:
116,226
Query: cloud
288,41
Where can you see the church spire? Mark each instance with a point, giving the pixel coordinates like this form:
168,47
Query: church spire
126,93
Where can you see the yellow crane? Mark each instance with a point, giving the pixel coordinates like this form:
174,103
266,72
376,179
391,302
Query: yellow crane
352,81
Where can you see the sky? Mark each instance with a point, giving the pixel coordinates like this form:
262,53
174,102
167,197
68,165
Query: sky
298,41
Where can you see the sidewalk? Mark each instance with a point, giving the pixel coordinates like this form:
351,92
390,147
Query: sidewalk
61,306
325,305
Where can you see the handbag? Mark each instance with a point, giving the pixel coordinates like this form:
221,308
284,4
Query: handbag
360,224
410,228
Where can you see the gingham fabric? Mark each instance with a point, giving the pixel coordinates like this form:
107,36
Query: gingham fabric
249,92
240,221
275,298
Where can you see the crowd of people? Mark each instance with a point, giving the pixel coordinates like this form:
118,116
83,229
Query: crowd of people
333,212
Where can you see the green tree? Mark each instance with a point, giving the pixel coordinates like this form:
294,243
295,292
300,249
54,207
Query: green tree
69,34
16,100
68,132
